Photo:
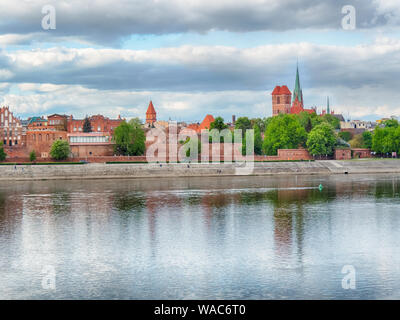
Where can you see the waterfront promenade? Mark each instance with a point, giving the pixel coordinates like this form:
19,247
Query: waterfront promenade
155,170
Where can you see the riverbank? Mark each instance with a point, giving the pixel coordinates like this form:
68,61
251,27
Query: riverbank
135,170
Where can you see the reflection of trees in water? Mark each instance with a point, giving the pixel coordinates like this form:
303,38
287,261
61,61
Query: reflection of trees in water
129,202
386,189
289,216
61,202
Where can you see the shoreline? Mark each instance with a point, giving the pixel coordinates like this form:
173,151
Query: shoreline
93,171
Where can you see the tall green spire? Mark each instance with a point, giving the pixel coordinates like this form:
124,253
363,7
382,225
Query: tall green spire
297,93
328,110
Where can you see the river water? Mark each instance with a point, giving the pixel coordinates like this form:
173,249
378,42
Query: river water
201,238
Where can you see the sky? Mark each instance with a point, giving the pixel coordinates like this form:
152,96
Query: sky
197,57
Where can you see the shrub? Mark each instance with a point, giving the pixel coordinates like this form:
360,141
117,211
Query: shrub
60,150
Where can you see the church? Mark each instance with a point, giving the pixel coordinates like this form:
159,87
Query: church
282,101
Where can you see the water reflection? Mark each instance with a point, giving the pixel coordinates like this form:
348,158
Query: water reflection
235,237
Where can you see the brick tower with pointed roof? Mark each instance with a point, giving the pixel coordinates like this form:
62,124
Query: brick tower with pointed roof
151,115
281,97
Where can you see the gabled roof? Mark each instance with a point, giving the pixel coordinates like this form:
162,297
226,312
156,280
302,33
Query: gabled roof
281,90
205,124
276,91
150,109
36,119
285,90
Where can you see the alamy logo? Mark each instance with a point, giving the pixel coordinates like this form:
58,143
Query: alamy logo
349,280
49,20
349,20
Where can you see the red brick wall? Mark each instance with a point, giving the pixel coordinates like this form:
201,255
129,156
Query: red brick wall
342,154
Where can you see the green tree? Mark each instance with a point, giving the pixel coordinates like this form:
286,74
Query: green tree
367,139
3,154
261,123
390,123
87,126
129,139
357,141
243,123
32,156
283,132
321,140
332,120
218,124
60,150
257,142
345,135
190,144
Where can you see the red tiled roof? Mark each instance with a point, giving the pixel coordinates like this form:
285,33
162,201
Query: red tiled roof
276,91
285,90
281,90
206,122
150,109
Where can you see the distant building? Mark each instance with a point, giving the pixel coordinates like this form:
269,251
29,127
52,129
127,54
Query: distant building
99,123
12,132
357,124
283,103
151,115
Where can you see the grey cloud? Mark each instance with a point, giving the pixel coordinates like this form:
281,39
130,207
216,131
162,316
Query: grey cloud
194,69
110,21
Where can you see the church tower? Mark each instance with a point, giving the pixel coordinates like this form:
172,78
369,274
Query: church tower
298,93
281,97
151,115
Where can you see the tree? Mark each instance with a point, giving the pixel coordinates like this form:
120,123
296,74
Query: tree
283,132
218,124
243,123
257,142
333,121
357,141
386,139
190,144
309,120
32,156
321,140
129,139
345,135
3,154
367,137
87,126
261,123
60,150
390,123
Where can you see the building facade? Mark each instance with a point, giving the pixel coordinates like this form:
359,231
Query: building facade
12,133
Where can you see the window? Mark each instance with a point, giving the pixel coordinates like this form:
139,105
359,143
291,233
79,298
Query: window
98,128
278,99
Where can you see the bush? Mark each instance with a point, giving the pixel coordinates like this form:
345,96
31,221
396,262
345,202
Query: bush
321,140
60,150
345,135
32,156
3,154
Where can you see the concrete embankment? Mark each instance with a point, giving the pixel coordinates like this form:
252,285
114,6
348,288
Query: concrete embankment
134,170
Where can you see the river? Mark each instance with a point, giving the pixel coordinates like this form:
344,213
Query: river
201,238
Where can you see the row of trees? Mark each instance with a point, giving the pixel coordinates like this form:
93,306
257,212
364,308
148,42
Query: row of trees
288,131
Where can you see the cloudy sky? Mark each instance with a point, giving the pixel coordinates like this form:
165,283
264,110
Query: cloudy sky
193,57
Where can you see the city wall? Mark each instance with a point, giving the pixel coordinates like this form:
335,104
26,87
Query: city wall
154,170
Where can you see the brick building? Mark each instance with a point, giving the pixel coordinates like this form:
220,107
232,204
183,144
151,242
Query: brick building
284,103
151,115
12,133
99,124
41,133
